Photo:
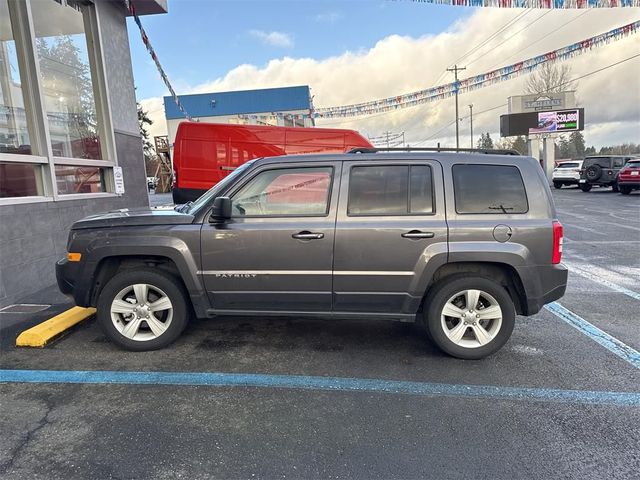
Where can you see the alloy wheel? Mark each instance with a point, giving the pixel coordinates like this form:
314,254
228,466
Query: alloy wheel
141,312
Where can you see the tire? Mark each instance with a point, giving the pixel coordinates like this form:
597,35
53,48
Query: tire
558,185
625,190
593,172
585,187
168,322
440,326
615,187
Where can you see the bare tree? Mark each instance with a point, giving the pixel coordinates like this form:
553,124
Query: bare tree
550,78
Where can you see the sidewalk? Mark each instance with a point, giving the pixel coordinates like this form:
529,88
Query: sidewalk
13,323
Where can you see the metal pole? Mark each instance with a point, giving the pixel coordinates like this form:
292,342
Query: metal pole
471,121
455,70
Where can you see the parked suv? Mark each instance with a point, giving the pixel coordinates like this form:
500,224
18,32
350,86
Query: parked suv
601,170
458,242
629,177
566,173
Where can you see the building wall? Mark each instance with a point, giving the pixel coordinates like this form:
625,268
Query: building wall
33,236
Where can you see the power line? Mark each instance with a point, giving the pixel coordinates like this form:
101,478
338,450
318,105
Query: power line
514,34
485,41
542,37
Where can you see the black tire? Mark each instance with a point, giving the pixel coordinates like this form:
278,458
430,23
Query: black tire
624,189
593,172
447,288
165,282
585,187
558,185
615,187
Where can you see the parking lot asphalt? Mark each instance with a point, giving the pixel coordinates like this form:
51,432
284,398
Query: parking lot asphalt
468,424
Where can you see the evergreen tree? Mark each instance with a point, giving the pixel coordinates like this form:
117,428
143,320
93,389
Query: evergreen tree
485,141
520,145
577,140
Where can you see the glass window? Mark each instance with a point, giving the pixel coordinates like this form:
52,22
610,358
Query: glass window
489,189
72,179
67,78
384,190
291,191
421,200
20,180
14,136
378,190
618,162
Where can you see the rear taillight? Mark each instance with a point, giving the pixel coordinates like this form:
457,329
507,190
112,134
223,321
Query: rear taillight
558,235
625,170
610,172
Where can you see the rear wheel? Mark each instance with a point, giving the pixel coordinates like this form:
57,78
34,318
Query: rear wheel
615,187
557,184
142,309
585,187
625,190
469,317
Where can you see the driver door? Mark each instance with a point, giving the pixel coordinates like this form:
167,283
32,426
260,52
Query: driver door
276,252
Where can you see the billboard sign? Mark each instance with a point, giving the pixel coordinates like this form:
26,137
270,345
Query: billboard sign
542,102
564,121
556,121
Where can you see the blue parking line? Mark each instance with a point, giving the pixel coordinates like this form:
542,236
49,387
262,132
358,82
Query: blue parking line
612,344
296,382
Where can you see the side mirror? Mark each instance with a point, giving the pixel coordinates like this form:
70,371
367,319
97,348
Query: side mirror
221,210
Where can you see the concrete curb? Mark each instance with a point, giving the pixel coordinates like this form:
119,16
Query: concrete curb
46,331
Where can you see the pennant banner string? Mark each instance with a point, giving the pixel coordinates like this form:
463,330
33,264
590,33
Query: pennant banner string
544,4
477,81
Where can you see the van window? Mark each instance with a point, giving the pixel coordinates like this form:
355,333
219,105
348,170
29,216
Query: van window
493,189
390,190
285,192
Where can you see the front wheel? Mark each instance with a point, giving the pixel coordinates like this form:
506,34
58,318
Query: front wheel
469,317
142,309
585,187
558,185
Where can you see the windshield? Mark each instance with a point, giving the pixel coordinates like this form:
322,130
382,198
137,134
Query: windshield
217,188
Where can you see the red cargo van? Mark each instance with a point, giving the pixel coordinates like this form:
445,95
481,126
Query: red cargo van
204,153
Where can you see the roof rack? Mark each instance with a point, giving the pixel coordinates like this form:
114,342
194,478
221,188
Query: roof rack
487,151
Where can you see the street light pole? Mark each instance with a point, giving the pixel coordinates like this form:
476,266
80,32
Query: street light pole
471,122
455,70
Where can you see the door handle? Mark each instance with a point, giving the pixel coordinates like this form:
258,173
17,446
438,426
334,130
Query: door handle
306,235
414,234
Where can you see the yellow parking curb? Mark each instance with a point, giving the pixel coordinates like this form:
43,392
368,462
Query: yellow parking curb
44,332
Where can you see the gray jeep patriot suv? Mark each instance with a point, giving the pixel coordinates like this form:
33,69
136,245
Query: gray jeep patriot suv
458,242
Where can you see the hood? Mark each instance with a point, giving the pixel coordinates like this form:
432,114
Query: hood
134,217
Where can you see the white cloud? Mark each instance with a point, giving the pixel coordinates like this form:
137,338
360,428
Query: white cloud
328,17
275,39
400,64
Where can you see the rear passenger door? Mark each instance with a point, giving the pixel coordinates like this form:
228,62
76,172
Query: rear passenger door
391,222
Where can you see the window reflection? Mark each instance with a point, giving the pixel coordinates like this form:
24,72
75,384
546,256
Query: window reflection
67,78
19,180
14,136
72,179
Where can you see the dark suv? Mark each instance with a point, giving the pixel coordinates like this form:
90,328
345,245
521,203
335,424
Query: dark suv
458,242
601,170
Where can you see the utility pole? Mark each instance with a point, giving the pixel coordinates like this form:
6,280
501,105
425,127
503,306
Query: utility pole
455,71
471,121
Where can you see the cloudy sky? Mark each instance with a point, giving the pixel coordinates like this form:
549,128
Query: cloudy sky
356,51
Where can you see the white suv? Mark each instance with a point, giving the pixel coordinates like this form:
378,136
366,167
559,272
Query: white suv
566,173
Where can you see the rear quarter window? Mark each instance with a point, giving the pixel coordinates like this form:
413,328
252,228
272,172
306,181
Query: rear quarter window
489,189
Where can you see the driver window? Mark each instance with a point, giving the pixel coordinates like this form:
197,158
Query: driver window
285,192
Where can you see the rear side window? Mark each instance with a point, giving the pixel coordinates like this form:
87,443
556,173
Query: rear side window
489,189
390,190
604,162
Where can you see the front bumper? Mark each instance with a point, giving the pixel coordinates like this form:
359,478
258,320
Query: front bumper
66,274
